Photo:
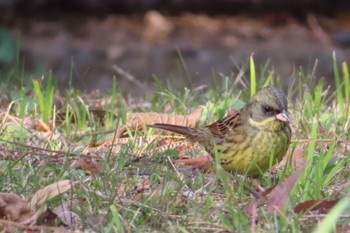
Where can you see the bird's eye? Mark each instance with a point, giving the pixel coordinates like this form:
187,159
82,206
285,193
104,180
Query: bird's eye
268,110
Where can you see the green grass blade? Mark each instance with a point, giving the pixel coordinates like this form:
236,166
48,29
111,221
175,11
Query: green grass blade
45,99
116,223
268,80
346,87
313,137
252,75
346,81
49,97
339,91
68,121
39,95
317,98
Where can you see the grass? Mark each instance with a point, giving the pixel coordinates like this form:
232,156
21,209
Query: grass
127,194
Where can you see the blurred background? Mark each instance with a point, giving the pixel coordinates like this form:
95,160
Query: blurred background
85,43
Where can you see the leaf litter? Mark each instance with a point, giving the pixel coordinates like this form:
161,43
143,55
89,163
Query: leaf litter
26,214
276,197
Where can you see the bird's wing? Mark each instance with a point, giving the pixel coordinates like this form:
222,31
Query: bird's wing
222,126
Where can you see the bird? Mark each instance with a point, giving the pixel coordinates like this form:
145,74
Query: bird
246,139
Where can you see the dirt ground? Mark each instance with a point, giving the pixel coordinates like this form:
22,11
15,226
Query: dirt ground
187,49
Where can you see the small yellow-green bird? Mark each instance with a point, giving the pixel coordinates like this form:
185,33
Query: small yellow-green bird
246,139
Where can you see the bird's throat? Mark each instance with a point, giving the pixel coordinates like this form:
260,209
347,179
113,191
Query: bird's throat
270,124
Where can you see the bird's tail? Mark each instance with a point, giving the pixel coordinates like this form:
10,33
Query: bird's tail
195,135
183,130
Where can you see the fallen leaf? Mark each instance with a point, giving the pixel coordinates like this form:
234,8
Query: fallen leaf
121,190
319,206
145,185
137,196
41,126
140,188
201,162
257,200
252,210
296,159
49,192
277,196
330,134
65,214
280,194
87,164
14,208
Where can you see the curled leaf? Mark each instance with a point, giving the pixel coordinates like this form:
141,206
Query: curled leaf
14,208
49,192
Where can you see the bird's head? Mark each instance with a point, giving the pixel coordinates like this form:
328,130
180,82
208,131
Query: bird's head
268,110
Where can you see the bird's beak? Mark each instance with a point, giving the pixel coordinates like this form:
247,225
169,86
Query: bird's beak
283,116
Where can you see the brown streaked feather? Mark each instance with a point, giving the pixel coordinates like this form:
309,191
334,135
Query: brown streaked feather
222,126
183,130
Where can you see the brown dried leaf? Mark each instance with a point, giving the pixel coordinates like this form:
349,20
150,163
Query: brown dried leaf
201,162
252,210
297,159
277,196
330,134
14,208
49,192
139,120
140,188
280,194
257,200
319,206
137,196
145,185
41,127
121,189
87,164
65,214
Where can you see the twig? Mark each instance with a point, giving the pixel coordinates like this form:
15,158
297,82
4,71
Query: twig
128,76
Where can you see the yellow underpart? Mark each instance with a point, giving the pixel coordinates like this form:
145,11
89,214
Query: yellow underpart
270,124
252,155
